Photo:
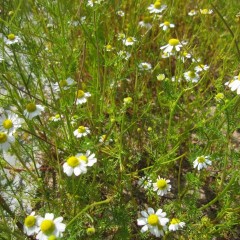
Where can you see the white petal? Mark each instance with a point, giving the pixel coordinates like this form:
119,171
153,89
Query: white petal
144,214
144,228
141,221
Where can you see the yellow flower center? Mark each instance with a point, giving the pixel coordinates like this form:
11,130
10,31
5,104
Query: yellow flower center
153,219
109,47
11,36
73,161
81,129
29,221
204,11
52,237
31,107
83,158
239,76
127,100
47,227
7,123
80,93
57,116
3,137
161,183
175,221
157,4
63,83
129,39
173,42
191,74
201,159
166,23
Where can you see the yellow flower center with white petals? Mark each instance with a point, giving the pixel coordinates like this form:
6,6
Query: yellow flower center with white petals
173,42
73,161
47,226
153,220
166,23
129,39
11,36
84,158
80,93
3,137
161,184
7,123
175,221
31,107
191,74
29,221
157,4
81,129
201,159
63,83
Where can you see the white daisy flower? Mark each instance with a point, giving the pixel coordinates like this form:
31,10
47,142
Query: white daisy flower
234,84
192,13
162,186
82,97
166,25
206,11
76,165
31,224
12,39
109,47
176,224
121,36
32,110
146,22
157,7
173,44
124,55
63,84
129,41
56,118
191,76
120,13
144,66
202,162
91,3
81,132
201,67
10,122
154,222
6,140
184,56
145,182
161,76
103,139
50,226
87,158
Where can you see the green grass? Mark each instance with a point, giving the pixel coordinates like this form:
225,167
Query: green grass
152,127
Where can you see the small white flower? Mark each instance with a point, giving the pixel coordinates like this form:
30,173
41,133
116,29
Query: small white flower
31,224
12,39
121,36
206,11
146,22
6,140
166,25
192,13
201,67
91,3
161,76
82,96
75,165
154,222
120,13
124,55
103,139
50,226
81,132
202,162
145,182
144,66
157,7
63,84
129,41
56,118
109,47
162,186
191,76
173,44
234,84
88,159
176,224
32,110
184,56
10,122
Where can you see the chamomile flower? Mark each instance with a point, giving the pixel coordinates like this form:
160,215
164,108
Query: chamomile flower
121,36
206,11
161,77
91,3
176,224
129,41
10,122
124,55
192,13
88,158
162,186
82,96
56,118
127,101
6,140
146,22
81,131
191,76
103,139
166,25
154,222
31,224
201,67
76,165
50,226
109,47
234,84
63,84
120,13
145,182
12,39
184,56
173,44
32,110
144,66
157,7
202,162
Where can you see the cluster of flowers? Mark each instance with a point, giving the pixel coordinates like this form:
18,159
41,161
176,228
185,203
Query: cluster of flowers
46,228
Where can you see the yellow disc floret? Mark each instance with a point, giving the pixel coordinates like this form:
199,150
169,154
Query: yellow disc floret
80,93
81,129
73,161
175,221
166,23
201,159
11,36
52,237
173,42
157,4
47,226
129,39
31,107
153,219
84,158
3,137
7,123
161,184
29,221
